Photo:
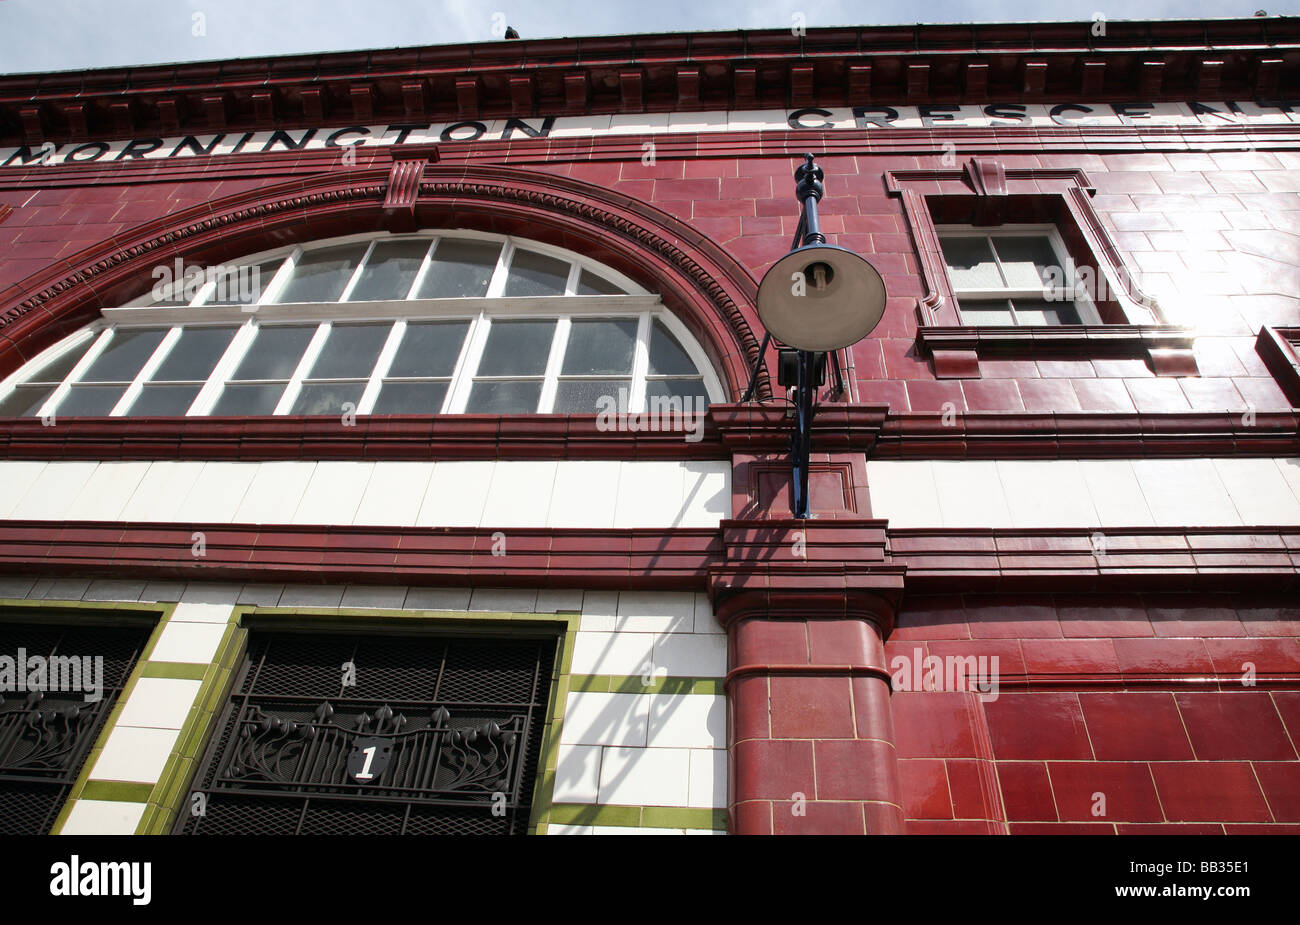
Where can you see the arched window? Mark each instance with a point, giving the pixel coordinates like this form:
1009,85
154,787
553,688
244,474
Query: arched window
392,324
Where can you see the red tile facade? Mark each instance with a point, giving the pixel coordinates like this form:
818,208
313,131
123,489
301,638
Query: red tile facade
1157,691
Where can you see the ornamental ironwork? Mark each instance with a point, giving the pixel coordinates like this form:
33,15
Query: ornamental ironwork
435,736
47,731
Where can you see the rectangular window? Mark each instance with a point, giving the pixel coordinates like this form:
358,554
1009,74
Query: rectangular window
1012,276
432,735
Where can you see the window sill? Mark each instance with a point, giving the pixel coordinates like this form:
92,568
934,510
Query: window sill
957,350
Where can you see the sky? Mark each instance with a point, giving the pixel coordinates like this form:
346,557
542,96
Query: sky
56,35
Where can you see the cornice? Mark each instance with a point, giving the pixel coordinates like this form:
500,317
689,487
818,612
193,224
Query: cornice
1151,60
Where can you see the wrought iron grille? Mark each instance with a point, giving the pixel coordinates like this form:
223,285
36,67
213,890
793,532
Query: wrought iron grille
434,735
45,735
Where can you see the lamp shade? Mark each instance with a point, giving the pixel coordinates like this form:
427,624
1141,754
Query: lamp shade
821,297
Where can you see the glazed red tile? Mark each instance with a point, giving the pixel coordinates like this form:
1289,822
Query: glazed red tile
1037,726
1280,781
773,770
1070,656
1176,657
1226,725
1026,791
935,725
812,708
1135,725
817,818
1239,656
1209,791
925,789
856,769
1104,791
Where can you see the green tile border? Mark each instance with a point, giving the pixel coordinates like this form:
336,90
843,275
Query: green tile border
635,684
92,613
647,817
166,798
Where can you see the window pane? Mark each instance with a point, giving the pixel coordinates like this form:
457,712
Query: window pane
597,347
90,400
390,271
970,263
460,270
411,398
517,348
164,400
1039,311
1025,260
25,400
275,353
248,399
328,398
667,358
429,349
195,355
591,284
56,370
989,313
583,396
320,275
504,397
350,351
125,354
536,274
692,389
244,285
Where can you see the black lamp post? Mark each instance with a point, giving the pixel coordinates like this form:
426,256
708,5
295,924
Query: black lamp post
816,299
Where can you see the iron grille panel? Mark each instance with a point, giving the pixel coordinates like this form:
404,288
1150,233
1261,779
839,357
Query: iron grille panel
46,735
458,720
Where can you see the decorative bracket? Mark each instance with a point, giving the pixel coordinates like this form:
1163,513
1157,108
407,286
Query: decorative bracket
404,179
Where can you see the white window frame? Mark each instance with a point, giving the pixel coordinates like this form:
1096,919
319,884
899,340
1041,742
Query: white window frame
479,312
1088,313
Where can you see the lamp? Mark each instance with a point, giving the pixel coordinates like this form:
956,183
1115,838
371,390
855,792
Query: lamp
821,297
816,299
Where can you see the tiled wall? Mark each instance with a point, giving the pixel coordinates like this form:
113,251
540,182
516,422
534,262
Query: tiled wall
1086,492
643,735
546,493
1114,714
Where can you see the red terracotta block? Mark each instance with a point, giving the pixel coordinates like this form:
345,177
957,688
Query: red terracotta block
1135,726
1287,704
1169,828
1048,395
1192,616
1230,656
1009,654
938,616
753,817
814,817
843,642
812,708
1026,791
1103,395
1225,725
1127,792
925,789
992,395
935,725
974,789
933,396
1281,783
1062,828
872,715
772,770
748,708
1105,616
1209,791
769,642
1038,726
1264,829
1005,616
956,827
1070,656
856,769
1163,656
